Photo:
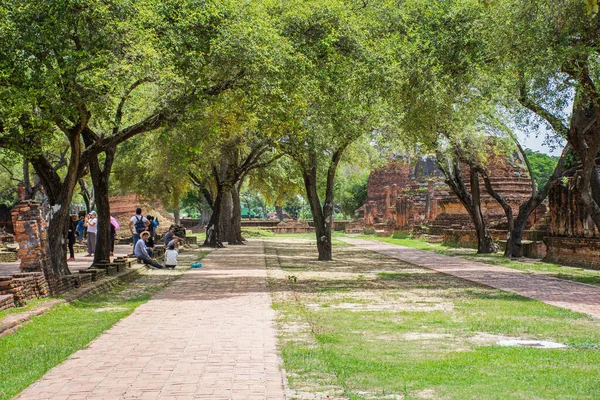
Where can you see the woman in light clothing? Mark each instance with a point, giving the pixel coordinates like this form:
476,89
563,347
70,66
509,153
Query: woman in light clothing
171,254
91,222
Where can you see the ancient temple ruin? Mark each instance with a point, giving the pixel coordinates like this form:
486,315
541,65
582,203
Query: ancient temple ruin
572,238
404,195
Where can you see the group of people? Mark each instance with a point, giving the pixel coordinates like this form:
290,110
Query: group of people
80,226
86,225
143,230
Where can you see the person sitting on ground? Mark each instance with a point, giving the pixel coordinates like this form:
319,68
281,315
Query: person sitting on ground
171,254
141,253
170,235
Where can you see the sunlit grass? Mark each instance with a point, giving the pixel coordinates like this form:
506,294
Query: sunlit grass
49,339
524,264
407,333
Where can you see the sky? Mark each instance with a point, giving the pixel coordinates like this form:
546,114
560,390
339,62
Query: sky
532,142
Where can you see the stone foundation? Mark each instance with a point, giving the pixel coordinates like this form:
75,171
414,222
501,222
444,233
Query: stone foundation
293,227
24,287
574,252
6,301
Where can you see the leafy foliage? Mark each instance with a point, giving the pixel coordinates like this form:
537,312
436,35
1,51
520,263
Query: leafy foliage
542,166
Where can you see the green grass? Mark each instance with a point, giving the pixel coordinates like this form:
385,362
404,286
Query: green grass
50,338
581,275
371,354
28,307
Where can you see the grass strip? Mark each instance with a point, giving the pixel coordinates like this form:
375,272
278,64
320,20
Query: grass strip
528,265
49,339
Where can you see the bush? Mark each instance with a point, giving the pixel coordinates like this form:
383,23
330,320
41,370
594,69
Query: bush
402,235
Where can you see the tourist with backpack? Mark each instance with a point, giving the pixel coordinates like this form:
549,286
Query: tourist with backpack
138,224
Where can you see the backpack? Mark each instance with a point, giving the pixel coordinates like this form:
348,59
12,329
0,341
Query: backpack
140,226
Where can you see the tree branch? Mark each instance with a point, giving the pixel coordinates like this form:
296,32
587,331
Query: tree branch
555,122
119,112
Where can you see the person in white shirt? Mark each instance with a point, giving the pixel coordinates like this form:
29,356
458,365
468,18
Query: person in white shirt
171,256
138,224
91,222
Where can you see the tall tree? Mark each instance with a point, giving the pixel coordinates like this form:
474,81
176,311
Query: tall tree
66,65
337,100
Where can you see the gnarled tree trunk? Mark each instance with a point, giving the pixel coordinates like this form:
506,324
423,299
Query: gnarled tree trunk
471,201
235,233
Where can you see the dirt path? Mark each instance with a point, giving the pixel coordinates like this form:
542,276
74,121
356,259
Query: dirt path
574,296
209,335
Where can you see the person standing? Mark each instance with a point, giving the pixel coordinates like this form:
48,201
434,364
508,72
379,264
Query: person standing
141,253
92,228
138,224
71,237
80,228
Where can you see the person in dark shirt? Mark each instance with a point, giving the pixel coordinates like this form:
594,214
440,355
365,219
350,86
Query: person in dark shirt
71,237
169,236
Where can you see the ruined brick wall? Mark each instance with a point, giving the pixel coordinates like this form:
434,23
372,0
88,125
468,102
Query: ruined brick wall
396,179
409,195
568,217
394,173
574,239
509,177
30,234
123,207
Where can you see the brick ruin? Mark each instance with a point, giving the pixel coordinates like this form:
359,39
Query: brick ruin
572,235
413,197
35,279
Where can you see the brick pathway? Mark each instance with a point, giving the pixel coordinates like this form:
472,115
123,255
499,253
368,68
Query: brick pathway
209,335
574,296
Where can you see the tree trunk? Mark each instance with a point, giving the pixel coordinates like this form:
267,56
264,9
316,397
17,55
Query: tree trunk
235,232
59,192
224,223
584,136
485,243
27,180
279,211
57,241
176,205
100,180
514,244
470,200
320,215
86,194
213,238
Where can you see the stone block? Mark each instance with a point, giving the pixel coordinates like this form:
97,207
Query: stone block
6,301
573,251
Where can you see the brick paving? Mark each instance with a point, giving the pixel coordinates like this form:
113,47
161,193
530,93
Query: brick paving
209,335
574,296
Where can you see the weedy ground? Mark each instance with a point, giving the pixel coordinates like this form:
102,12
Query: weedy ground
366,326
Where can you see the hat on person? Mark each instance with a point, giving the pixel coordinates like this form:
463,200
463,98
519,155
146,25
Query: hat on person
93,213
144,233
